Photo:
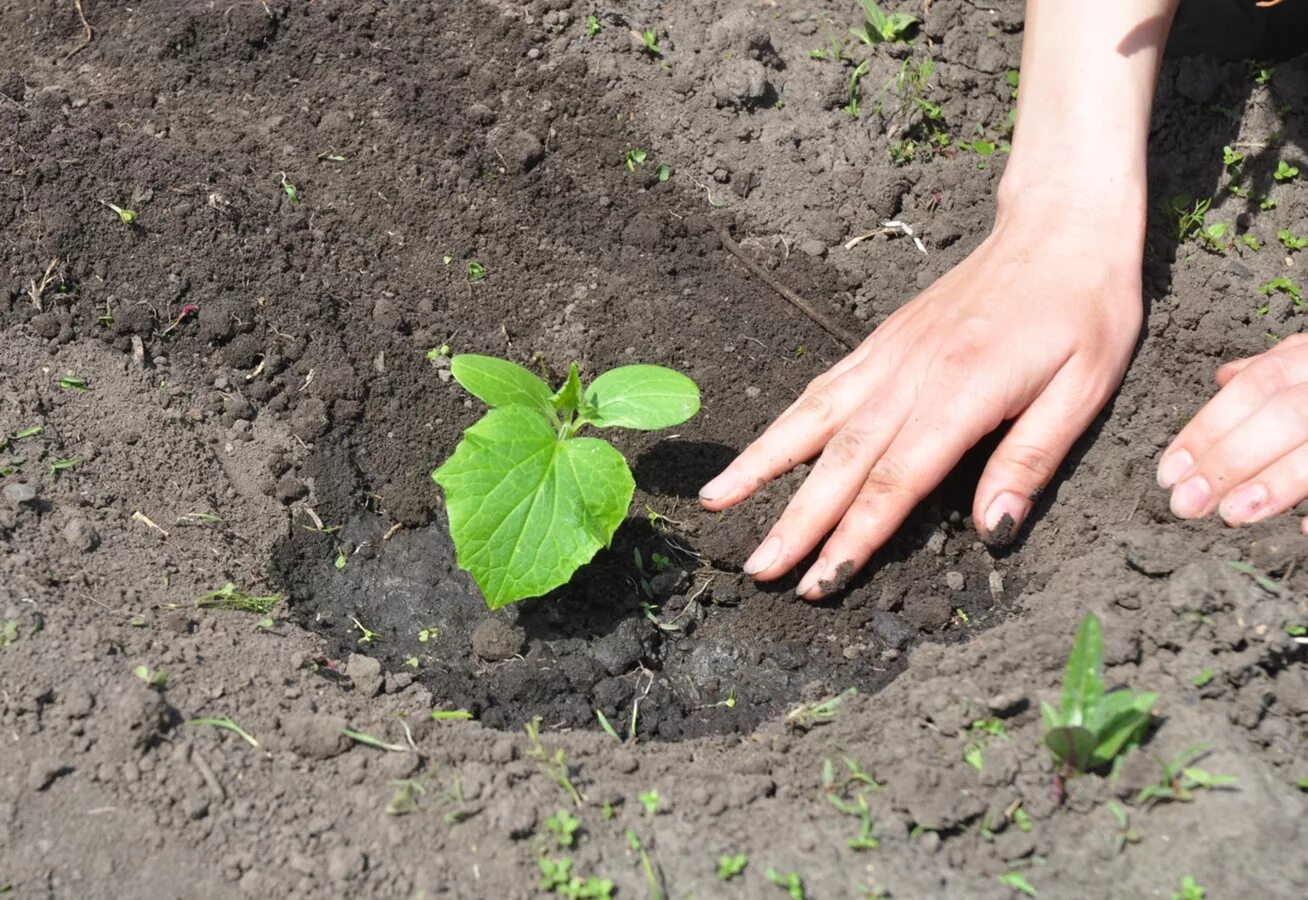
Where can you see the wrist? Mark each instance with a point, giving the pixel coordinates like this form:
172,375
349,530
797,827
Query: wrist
1065,194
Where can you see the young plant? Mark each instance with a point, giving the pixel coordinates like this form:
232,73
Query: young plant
71,383
229,596
650,38
1214,236
1125,833
1093,727
1181,777
1291,242
564,826
1231,159
855,77
1190,890
881,27
1285,286
291,191
729,865
650,801
592,25
1185,215
809,715
475,271
529,501
1285,171
1017,881
634,158
127,216
226,724
155,678
790,882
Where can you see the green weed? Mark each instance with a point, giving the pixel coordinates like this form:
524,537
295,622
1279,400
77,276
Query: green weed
229,596
1180,778
880,27
729,865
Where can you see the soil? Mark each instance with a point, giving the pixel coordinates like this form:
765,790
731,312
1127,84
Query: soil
309,183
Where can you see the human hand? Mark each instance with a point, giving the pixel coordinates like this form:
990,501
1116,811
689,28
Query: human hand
1035,326
1245,455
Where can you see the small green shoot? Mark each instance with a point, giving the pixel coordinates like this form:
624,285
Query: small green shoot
362,737
849,797
451,715
226,724
71,383
1181,777
1017,881
852,107
1203,678
60,465
647,866
1251,242
1263,75
229,596
731,865
790,882
412,662
155,678
649,37
267,624
663,172
475,271
291,191
127,216
809,715
1285,171
1092,728
341,558
981,730
1125,833
634,158
9,633
881,27
556,765
557,878
1214,236
440,352
1265,202
1290,241
1285,286
1190,890
1231,158
564,826
592,25
1302,784
607,726
430,633
650,801
327,156
405,799
366,635
1185,216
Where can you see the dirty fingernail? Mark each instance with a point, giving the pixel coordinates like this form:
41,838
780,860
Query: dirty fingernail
1173,466
1003,517
718,487
810,580
763,557
1242,506
1191,496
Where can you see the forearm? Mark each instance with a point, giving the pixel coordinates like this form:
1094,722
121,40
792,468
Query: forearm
1088,77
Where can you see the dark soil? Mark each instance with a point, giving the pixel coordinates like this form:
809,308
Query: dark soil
260,406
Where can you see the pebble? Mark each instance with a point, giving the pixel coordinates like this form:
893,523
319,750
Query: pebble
935,544
752,392
955,580
814,248
81,535
20,493
44,771
365,672
996,584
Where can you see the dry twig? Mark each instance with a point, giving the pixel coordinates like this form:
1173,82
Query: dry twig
35,289
87,31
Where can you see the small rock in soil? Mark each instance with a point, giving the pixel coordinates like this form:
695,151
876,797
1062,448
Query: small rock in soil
955,580
669,582
620,650
814,248
494,640
44,771
81,535
345,863
316,737
20,493
891,629
365,672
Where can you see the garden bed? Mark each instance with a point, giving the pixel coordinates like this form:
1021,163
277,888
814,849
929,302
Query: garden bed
309,184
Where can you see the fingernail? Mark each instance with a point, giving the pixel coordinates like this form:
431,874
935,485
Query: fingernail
1004,517
763,557
1190,497
1242,506
718,487
1173,467
810,580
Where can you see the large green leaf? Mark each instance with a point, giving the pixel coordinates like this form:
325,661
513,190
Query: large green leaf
644,397
498,382
1082,684
527,509
1119,723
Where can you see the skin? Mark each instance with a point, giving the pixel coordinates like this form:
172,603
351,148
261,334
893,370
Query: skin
1035,328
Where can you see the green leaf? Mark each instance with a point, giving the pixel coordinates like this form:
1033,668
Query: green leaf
527,509
498,382
1121,722
567,399
643,397
1052,717
1072,745
1017,881
1082,686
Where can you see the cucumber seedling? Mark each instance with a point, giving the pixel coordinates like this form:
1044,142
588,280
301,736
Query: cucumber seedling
529,501
1093,727
128,216
1285,171
882,27
1291,242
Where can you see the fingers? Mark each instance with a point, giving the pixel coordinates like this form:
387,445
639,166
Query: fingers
795,437
830,488
928,446
1229,370
1271,431
1029,455
1280,486
1260,380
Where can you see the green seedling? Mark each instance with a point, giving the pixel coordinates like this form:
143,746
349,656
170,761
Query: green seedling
663,173
1125,833
981,731
646,864
267,624
564,826
729,865
1180,778
849,797
22,434
833,52
412,662
1013,77
1302,784
475,271
229,596
71,383
1022,819
451,715
341,558
790,882
1285,171
809,715
1190,890
366,635
1251,242
440,352
1017,881
291,191
649,37
1093,727
1231,158
1203,678
152,677
557,878
855,77
1285,286
607,726
60,465
1287,237
634,158
556,765
881,27
1265,202
1296,631
592,25
127,216
528,501
430,633
362,737
227,725
106,319
405,798
1262,75
650,801
9,633
329,156
1214,236
1185,216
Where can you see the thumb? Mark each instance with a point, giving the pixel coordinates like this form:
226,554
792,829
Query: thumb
1030,454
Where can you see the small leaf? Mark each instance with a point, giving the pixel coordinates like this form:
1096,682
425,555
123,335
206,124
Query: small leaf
498,382
1017,881
568,397
527,509
1072,745
1122,728
643,397
1082,685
